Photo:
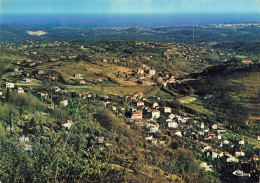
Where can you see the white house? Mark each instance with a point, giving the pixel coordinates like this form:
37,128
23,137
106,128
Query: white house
137,115
64,103
214,126
172,116
202,125
149,138
10,85
226,141
241,142
140,103
155,105
155,114
167,109
68,124
178,133
152,72
239,153
140,71
232,159
172,124
20,90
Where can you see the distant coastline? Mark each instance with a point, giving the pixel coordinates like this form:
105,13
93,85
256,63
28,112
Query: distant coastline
126,20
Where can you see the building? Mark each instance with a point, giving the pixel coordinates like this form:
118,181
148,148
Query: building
240,153
140,71
155,105
152,72
172,124
147,83
155,114
140,103
137,115
167,109
68,124
64,103
241,142
214,126
9,85
20,90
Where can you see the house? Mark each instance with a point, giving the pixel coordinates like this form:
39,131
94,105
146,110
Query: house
147,83
82,82
49,106
42,94
207,97
140,71
139,94
178,133
155,114
172,124
140,103
64,103
152,127
9,85
137,115
258,137
1,93
202,125
40,72
247,61
100,140
78,76
20,90
52,78
68,124
226,142
171,80
172,116
105,103
114,108
214,126
232,159
167,109
155,105
152,72
54,59
240,153
206,167
149,138
105,60
241,142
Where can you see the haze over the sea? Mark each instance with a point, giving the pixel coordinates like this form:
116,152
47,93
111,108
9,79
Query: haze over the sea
127,13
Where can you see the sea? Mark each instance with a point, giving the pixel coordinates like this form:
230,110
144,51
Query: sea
127,20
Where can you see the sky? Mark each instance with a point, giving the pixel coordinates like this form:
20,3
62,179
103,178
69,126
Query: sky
127,6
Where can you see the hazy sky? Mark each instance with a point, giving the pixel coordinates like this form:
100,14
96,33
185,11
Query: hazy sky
127,6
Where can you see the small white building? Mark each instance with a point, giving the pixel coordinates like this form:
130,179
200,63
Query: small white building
172,116
239,153
152,72
137,115
167,109
172,124
140,103
9,85
64,103
202,125
156,114
155,105
140,71
241,142
20,90
214,126
178,133
68,124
